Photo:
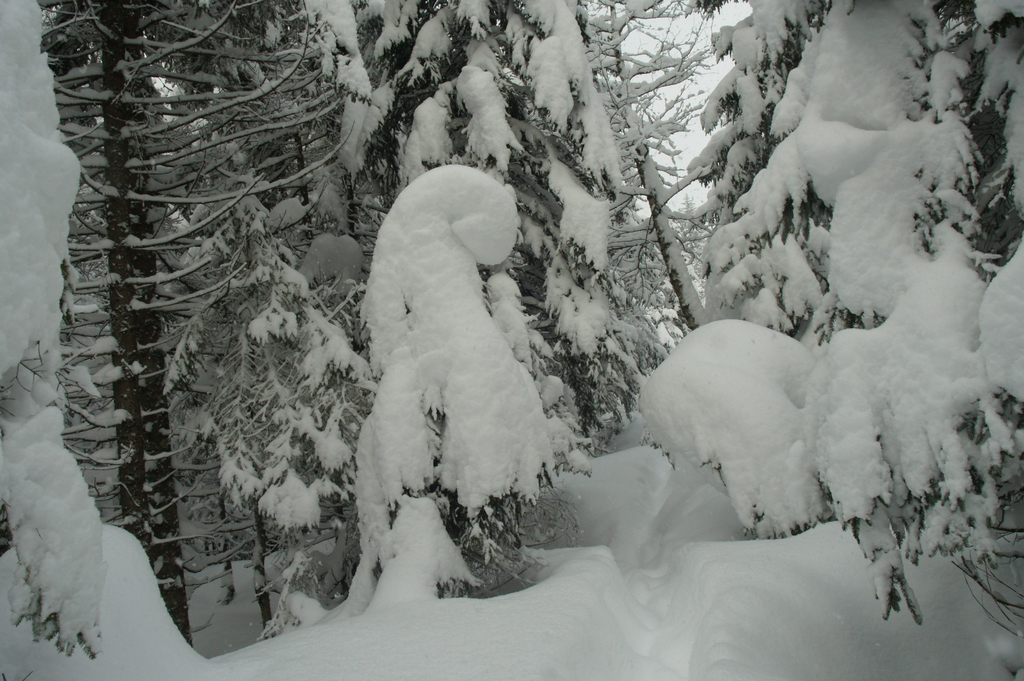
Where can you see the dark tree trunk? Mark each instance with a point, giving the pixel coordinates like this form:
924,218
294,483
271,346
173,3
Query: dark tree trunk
259,570
147,493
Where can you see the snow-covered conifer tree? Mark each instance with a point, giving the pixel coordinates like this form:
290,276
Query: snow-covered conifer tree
871,229
991,90
754,256
458,418
285,413
509,89
212,104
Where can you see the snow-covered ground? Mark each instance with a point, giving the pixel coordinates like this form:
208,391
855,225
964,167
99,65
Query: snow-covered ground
663,586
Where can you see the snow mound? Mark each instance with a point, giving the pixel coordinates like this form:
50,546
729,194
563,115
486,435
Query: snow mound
643,508
713,608
730,397
139,639
566,627
417,555
800,608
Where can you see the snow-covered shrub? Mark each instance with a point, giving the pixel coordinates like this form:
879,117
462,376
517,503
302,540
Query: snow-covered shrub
457,418
896,421
54,524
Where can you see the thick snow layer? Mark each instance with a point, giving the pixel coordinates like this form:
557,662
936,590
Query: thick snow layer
432,41
643,508
417,554
563,84
139,639
661,592
800,608
859,138
878,138
428,140
505,301
38,183
730,397
797,608
291,503
878,426
991,11
582,315
424,300
564,628
585,220
905,384
440,353
55,527
338,26
888,401
423,216
489,133
732,394
1002,327
552,84
54,524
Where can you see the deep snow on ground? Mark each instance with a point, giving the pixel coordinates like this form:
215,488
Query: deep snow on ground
663,587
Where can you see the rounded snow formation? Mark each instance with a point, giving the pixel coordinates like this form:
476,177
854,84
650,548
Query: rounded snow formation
731,395
991,11
418,256
480,211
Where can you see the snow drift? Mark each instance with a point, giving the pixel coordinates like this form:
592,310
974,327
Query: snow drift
662,591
